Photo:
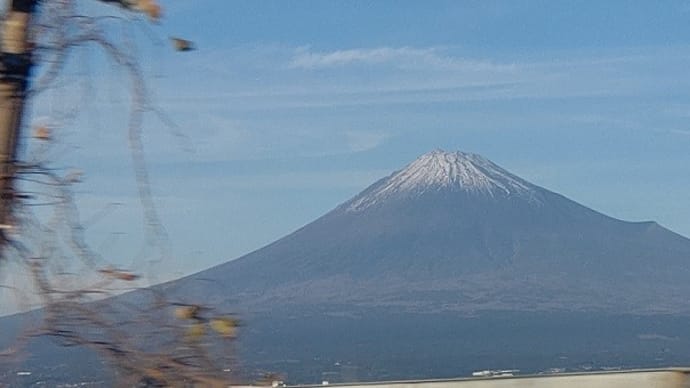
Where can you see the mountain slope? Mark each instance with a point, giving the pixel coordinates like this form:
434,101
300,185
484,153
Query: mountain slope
454,231
447,266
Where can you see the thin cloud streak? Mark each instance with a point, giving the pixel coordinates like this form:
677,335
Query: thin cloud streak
406,74
401,57
684,132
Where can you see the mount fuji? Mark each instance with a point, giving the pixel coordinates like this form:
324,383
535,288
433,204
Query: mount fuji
452,231
450,265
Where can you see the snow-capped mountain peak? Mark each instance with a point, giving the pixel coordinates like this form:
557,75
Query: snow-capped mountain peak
440,170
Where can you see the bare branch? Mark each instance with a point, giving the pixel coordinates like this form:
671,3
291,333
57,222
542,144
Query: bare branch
70,278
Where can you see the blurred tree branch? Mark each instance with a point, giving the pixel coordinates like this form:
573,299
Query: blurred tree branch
182,349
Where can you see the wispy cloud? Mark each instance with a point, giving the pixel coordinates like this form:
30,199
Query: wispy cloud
685,132
402,57
362,140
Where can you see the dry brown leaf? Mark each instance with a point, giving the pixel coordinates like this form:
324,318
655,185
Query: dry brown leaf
42,132
182,44
119,274
187,312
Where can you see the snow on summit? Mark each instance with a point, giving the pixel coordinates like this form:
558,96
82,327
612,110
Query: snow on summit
440,170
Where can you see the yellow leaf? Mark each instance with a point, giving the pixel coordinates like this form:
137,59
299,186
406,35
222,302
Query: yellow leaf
196,331
226,327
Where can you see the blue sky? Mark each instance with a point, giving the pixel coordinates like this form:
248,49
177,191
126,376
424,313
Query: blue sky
289,108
